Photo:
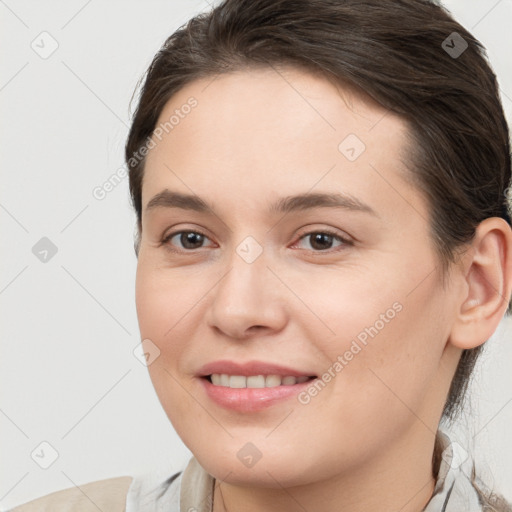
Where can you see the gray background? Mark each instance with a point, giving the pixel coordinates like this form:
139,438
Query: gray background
69,376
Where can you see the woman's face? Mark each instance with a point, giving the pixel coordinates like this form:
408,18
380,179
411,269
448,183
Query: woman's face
313,259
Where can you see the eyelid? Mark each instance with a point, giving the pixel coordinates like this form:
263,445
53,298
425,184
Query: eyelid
166,237
345,239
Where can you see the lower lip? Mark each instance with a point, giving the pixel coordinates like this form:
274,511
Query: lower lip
251,399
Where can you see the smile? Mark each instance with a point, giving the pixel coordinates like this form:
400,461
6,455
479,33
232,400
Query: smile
255,381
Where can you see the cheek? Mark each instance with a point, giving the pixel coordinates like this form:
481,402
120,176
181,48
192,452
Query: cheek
162,308
384,349
162,303
168,310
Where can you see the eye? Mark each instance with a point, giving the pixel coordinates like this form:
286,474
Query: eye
189,239
322,240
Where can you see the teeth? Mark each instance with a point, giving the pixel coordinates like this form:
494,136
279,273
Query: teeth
237,381
255,381
272,381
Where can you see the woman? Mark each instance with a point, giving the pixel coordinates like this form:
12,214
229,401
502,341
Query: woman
324,247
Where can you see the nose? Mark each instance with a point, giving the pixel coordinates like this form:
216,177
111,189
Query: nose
248,300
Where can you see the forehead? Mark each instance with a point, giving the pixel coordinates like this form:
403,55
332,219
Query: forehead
273,128
266,97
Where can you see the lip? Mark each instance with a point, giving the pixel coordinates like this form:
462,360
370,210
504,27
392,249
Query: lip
250,368
250,399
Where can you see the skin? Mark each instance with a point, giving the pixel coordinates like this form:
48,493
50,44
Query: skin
366,440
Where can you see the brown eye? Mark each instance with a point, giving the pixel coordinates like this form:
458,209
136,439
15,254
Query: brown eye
189,240
323,240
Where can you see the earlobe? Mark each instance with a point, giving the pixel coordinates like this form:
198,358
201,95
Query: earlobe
487,275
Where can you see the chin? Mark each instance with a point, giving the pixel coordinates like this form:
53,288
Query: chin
272,470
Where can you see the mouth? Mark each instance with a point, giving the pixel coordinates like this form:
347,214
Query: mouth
255,381
252,386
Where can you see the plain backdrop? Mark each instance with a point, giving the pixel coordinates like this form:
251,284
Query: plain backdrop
69,376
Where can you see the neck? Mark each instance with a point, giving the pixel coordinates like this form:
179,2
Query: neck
402,478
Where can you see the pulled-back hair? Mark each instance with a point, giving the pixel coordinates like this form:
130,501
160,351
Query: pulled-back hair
411,56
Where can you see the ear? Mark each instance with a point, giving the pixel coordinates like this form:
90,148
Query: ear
486,272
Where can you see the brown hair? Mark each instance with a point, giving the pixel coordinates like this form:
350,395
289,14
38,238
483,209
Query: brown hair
409,55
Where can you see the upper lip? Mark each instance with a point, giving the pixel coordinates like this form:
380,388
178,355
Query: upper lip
249,368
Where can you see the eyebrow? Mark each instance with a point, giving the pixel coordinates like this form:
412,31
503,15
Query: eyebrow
300,202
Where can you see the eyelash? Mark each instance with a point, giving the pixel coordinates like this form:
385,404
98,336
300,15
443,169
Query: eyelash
345,241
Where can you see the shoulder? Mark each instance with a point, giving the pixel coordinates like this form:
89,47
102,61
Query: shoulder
109,494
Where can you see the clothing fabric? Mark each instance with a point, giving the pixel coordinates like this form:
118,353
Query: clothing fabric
191,490
107,495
